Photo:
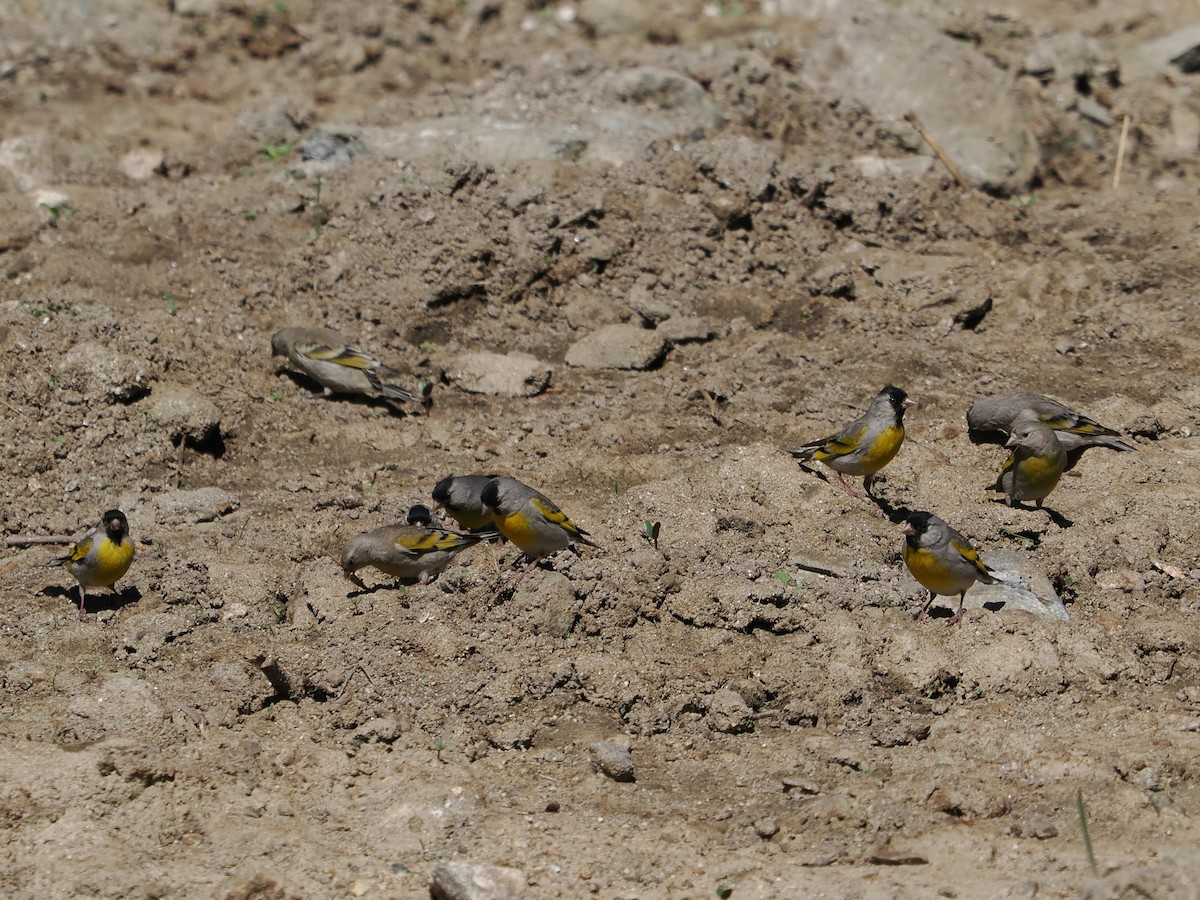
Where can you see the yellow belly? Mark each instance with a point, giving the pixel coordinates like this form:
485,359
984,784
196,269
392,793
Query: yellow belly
882,452
517,529
112,562
934,575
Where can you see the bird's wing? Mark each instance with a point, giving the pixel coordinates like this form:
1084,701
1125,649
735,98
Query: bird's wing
350,357
556,516
971,556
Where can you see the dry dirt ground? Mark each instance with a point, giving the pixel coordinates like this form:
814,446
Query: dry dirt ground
239,721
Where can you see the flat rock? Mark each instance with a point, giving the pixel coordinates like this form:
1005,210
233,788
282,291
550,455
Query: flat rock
97,370
1024,587
504,374
894,62
464,881
617,347
683,329
186,507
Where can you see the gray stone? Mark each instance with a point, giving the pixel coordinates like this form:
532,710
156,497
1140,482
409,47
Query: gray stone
184,414
141,163
1153,58
893,62
612,759
651,310
333,149
186,507
1024,587
510,375
728,712
682,329
98,370
617,347
465,881
556,596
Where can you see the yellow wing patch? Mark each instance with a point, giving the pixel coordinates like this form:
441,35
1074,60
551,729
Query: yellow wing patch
342,356
553,514
80,550
432,541
839,445
969,554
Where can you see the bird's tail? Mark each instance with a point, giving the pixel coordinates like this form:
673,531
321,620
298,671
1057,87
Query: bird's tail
808,451
392,391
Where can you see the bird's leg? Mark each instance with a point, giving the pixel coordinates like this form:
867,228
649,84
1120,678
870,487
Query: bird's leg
846,487
958,615
924,613
82,598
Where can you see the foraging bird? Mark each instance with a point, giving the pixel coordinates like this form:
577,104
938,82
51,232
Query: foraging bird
102,558
324,356
530,519
420,514
867,444
990,421
942,560
460,496
1036,463
412,553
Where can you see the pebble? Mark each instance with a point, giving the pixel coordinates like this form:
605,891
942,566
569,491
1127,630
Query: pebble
141,163
618,347
467,881
684,329
612,759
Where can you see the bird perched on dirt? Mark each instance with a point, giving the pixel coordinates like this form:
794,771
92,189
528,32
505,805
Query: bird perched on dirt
412,553
942,560
461,497
867,444
420,514
324,356
1036,463
102,558
530,519
990,421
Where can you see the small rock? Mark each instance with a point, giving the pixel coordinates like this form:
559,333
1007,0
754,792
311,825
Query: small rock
184,414
766,828
384,731
188,507
509,375
97,369
729,713
560,607
612,759
1129,582
464,881
618,347
682,329
141,163
651,310
334,149
511,735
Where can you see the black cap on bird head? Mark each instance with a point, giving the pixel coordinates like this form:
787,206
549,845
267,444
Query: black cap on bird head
441,490
916,524
490,495
115,522
897,397
418,514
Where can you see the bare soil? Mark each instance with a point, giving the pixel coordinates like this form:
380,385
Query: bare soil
239,721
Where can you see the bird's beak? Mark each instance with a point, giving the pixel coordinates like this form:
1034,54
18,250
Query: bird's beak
1011,442
908,529
909,402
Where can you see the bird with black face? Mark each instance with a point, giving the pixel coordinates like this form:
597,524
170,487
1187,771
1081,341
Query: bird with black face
461,497
102,558
530,519
942,560
990,420
867,444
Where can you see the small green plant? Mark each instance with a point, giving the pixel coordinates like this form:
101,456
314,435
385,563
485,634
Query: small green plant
172,306
275,152
783,577
274,396
650,531
426,345
60,439
280,614
723,892
57,210
1087,835
282,6
249,214
245,173
438,747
